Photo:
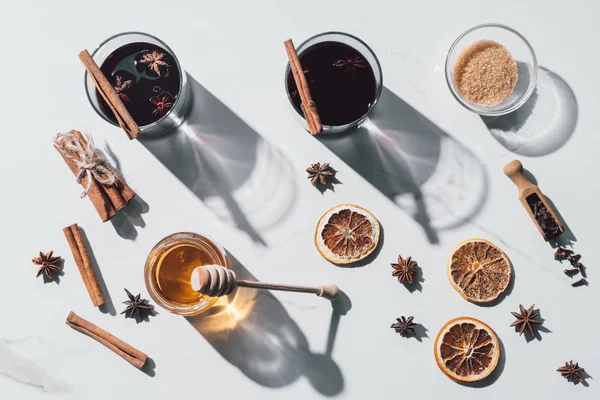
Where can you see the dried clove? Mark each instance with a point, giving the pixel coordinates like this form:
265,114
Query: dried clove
543,217
571,272
581,268
562,254
580,282
574,259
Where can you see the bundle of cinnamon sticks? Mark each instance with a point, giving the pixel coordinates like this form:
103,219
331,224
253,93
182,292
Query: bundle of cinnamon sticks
308,105
107,199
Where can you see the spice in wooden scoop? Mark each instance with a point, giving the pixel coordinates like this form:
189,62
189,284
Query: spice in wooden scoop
543,217
534,201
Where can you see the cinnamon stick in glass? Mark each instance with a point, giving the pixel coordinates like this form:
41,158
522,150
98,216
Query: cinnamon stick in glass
107,92
82,259
308,105
121,348
107,200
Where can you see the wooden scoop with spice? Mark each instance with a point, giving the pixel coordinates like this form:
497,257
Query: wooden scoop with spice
216,280
534,202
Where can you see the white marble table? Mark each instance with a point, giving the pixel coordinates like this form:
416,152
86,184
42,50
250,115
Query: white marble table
427,168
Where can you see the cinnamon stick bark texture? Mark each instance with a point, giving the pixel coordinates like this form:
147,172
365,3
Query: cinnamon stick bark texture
123,349
308,105
107,199
82,259
107,92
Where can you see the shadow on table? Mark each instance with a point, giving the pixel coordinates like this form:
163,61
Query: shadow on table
543,124
130,218
252,330
127,221
417,165
244,180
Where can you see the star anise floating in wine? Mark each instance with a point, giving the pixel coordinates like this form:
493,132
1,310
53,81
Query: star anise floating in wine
121,86
162,104
47,262
154,61
319,173
404,326
405,270
351,64
526,318
571,371
135,305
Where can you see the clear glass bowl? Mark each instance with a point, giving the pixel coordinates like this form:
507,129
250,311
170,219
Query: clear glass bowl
359,46
174,117
521,51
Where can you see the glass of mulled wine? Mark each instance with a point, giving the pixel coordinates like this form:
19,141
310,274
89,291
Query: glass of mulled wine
147,77
344,78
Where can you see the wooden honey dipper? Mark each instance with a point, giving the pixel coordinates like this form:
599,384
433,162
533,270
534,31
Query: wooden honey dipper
528,193
216,280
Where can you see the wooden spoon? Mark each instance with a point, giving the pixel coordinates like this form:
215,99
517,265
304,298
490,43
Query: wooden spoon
529,194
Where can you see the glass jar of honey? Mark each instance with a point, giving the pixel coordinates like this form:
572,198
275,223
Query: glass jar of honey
169,267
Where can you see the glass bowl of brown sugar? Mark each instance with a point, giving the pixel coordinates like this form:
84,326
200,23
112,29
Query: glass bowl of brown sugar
491,69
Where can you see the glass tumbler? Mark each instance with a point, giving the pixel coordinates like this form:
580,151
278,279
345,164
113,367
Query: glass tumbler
359,46
181,105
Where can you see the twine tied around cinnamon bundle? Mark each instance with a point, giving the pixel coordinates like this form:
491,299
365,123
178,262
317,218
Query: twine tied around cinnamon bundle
90,162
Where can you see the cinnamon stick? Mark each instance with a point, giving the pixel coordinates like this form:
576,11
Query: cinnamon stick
107,92
308,105
119,193
107,200
82,259
121,348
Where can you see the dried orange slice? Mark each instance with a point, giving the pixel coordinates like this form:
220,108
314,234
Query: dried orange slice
466,349
347,233
478,270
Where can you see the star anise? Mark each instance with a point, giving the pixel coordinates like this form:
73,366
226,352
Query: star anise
47,264
405,327
405,269
154,61
350,64
571,371
526,319
319,173
121,86
135,305
162,104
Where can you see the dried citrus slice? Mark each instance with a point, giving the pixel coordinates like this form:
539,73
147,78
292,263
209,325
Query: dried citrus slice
346,233
466,349
478,270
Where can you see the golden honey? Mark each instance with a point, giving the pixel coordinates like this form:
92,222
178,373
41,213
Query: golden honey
169,268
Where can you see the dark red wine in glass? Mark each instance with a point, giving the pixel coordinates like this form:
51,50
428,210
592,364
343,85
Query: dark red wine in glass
146,78
341,82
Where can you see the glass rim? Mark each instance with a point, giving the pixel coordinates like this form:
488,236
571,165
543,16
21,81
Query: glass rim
378,86
165,46
150,266
469,106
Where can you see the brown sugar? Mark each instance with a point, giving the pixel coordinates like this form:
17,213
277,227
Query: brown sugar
485,73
